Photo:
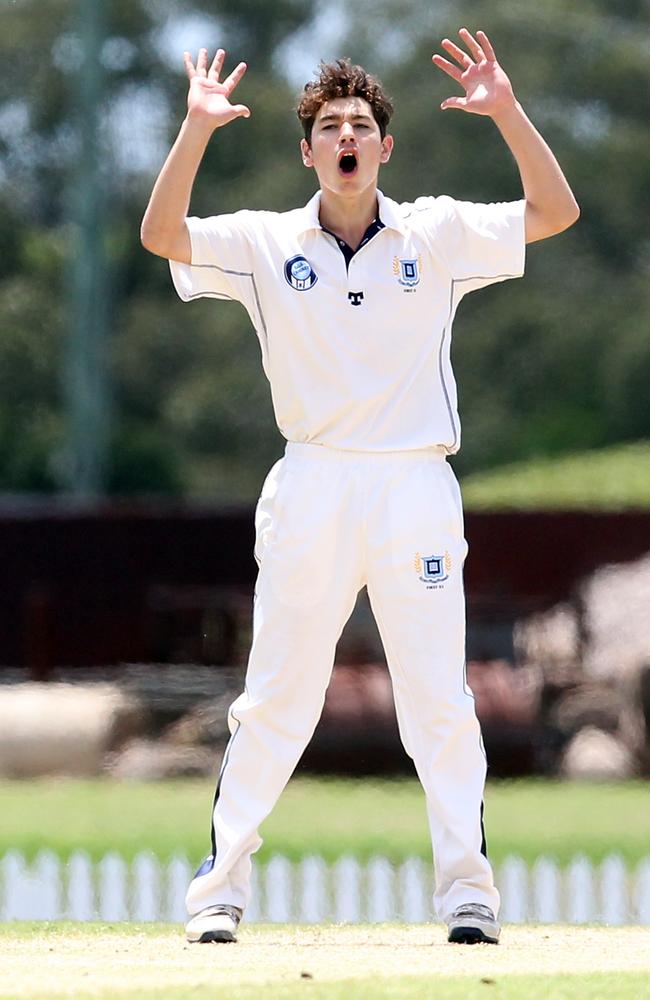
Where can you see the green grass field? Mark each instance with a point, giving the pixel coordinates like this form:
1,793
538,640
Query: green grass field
616,478
379,962
324,816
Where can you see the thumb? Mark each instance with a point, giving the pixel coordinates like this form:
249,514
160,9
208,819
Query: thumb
241,111
454,102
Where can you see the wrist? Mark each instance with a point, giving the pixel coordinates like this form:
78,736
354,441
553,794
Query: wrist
198,127
509,114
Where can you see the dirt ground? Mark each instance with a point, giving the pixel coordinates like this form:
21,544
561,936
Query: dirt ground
59,963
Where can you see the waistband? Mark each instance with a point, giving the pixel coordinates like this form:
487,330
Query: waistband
322,453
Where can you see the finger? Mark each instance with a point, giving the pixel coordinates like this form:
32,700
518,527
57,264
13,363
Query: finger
217,64
472,44
486,45
454,102
202,63
231,82
457,53
453,71
189,65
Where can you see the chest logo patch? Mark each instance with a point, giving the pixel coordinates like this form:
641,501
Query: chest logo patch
407,270
299,273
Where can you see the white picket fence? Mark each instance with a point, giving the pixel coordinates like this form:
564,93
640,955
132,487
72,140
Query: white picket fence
311,891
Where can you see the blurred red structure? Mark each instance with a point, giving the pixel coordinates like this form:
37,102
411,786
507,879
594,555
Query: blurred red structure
151,582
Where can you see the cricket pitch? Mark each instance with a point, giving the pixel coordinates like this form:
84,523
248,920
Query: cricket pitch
114,960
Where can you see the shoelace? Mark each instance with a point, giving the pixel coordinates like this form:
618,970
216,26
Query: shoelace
231,911
472,909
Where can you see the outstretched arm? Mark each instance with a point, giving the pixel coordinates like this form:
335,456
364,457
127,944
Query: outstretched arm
550,205
164,231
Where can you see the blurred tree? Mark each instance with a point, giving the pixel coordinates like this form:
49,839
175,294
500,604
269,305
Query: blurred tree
168,364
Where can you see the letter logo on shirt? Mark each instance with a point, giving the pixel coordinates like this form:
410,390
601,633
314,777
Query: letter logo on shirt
407,270
299,273
356,298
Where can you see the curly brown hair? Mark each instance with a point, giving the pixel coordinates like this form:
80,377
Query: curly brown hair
342,79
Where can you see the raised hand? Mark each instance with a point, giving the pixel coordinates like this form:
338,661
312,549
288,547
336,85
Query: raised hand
208,97
488,90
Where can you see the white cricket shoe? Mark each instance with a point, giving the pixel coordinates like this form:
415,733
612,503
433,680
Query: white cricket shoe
473,923
215,923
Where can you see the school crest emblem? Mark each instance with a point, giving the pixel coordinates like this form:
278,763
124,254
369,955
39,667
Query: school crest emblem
407,270
433,570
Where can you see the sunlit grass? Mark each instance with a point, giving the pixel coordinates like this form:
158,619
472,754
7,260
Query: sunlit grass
329,817
616,478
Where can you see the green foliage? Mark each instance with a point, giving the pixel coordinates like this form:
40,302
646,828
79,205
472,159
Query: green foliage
141,463
552,364
30,411
256,27
192,411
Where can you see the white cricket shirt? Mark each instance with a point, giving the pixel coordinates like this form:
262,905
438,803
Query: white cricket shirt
358,357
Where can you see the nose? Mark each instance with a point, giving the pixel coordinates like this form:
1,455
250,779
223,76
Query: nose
347,132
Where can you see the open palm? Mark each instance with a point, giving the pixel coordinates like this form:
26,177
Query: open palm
487,87
208,96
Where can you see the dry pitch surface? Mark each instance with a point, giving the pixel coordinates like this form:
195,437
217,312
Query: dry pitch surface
123,961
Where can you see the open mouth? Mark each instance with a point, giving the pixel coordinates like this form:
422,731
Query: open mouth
348,163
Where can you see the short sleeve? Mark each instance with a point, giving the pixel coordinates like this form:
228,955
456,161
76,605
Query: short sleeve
222,259
480,243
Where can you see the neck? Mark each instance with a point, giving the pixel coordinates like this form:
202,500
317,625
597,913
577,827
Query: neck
348,217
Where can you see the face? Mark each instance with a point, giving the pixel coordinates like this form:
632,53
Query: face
346,147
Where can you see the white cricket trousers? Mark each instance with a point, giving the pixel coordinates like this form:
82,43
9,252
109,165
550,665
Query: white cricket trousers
329,522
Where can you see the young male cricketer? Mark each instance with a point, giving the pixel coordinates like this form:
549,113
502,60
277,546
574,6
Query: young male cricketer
352,298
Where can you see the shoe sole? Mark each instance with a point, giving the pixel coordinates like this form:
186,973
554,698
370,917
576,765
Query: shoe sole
218,937
470,935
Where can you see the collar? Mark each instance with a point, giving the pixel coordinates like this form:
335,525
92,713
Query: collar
388,212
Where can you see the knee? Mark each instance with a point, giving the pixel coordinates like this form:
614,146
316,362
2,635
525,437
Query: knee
278,712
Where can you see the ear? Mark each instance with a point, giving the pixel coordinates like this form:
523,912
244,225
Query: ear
387,144
305,149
